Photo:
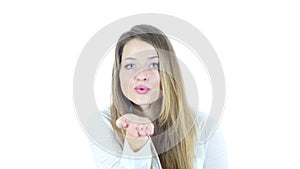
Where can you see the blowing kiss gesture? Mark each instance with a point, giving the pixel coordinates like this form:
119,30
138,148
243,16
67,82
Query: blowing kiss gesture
137,129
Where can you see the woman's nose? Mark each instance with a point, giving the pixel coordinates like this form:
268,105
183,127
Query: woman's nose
142,75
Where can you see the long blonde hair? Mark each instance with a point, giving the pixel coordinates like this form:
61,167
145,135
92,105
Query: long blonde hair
173,106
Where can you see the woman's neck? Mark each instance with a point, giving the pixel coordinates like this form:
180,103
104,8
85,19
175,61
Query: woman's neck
146,111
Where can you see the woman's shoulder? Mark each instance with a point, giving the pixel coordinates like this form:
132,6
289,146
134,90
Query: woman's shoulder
206,126
99,120
104,112
199,119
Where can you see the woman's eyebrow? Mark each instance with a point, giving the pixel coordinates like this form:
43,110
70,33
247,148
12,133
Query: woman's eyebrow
130,58
153,57
134,58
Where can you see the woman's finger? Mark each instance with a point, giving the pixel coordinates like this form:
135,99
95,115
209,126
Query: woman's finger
141,130
150,128
122,122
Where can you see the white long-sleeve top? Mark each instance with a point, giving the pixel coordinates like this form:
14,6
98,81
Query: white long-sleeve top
111,153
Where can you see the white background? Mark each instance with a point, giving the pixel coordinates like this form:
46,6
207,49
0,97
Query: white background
257,42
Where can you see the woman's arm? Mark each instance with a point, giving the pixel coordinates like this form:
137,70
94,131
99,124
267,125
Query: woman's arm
127,160
109,152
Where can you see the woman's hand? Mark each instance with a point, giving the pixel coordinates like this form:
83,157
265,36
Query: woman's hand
137,129
135,126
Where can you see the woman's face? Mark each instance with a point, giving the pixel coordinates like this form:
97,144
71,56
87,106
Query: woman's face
139,73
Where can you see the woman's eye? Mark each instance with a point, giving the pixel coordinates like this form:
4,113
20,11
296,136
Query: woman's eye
154,65
130,66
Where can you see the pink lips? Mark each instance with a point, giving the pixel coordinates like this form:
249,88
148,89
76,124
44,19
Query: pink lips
142,89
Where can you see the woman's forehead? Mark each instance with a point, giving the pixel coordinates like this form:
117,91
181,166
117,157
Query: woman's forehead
137,48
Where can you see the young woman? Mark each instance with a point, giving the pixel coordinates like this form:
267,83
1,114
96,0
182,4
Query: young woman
149,123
